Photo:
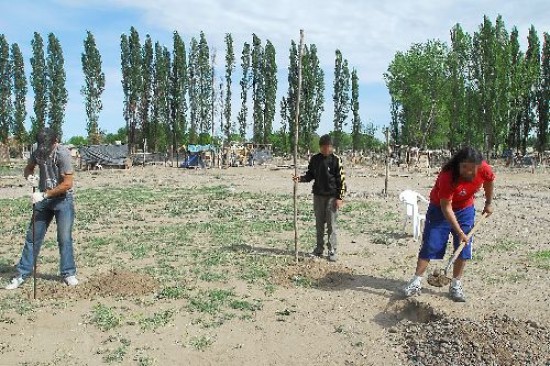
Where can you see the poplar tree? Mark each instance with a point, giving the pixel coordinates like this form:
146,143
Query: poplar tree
39,85
229,67
56,78
357,126
6,108
245,86
178,91
20,93
146,95
94,85
258,89
270,91
194,95
340,96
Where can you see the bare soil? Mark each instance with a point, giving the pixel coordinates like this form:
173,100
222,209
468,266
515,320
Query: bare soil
185,285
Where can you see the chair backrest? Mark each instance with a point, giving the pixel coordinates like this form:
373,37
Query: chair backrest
410,198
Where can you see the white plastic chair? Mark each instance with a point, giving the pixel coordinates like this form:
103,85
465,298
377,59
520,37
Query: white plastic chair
410,198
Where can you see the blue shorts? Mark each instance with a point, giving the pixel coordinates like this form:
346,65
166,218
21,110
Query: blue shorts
437,230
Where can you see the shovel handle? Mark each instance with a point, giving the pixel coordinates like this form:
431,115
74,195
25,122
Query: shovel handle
464,243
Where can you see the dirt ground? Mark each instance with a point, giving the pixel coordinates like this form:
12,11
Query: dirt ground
196,267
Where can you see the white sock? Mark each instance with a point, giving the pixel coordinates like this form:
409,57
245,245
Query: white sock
455,282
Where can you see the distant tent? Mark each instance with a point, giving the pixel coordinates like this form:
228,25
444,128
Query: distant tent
195,153
105,155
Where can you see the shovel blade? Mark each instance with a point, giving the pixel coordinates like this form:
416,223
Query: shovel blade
438,278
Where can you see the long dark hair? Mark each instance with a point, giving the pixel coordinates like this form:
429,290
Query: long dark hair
465,155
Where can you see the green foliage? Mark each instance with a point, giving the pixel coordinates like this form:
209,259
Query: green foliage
157,320
258,89
201,343
356,122
39,85
544,96
94,85
194,91
245,86
229,67
270,91
340,97
204,84
57,92
146,97
120,135
105,318
6,106
178,87
481,91
311,100
78,141
160,125
20,92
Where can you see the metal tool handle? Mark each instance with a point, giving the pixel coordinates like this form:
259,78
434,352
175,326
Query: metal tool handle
464,243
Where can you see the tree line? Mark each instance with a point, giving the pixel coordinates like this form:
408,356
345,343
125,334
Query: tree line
47,80
172,96
482,89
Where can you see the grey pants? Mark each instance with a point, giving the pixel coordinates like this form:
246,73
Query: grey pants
325,213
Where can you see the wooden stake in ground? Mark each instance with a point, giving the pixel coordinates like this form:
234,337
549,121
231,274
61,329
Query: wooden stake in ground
388,152
300,53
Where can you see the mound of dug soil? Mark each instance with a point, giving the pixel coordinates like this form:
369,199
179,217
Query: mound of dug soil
314,273
496,340
115,283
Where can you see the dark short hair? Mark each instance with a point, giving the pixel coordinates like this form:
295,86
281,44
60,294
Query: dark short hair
47,136
325,140
465,155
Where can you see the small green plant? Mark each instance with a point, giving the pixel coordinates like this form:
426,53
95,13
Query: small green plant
174,292
244,305
144,361
210,301
201,343
302,281
157,320
542,259
105,317
115,356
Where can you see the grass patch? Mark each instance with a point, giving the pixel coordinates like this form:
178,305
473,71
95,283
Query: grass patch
541,259
115,356
174,292
201,343
105,318
157,320
211,301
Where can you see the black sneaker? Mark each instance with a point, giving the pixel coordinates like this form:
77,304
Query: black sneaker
317,252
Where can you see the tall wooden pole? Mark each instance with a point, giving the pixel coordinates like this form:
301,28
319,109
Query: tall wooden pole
388,152
300,53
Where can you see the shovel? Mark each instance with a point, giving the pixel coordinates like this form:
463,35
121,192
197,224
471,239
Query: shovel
439,276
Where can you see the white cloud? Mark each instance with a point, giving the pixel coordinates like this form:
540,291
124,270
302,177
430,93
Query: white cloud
367,32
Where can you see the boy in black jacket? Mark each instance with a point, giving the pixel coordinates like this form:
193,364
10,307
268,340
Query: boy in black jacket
329,188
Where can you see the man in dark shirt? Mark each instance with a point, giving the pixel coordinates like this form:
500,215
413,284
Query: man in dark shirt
329,188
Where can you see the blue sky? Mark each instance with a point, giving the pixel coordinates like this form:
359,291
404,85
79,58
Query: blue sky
367,32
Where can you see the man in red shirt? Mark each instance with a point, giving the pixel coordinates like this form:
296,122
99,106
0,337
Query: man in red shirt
451,211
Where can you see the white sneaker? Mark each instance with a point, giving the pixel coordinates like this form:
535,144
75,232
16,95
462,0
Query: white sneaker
15,283
71,281
413,288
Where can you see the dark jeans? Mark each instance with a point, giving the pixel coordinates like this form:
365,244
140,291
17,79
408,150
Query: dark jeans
62,208
325,213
